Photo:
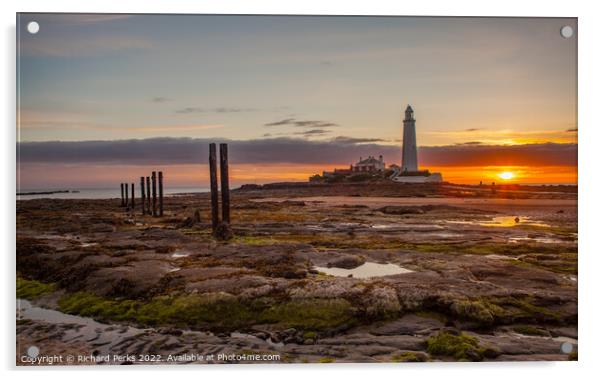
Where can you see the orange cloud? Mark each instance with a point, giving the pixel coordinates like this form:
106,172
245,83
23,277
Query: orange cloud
507,136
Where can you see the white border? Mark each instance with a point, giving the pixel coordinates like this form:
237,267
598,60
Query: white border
590,184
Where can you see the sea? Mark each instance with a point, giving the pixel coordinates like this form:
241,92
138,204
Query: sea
96,193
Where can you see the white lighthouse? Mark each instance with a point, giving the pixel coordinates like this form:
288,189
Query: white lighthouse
409,172
409,154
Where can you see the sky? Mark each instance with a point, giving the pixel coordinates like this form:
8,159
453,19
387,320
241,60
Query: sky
103,97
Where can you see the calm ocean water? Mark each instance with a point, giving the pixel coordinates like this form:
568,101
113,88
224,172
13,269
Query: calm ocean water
99,193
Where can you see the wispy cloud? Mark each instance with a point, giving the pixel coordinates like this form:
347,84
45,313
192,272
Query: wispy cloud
351,140
312,132
214,110
160,99
82,46
68,121
171,128
302,123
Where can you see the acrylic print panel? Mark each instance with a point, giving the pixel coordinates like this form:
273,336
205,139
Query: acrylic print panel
295,189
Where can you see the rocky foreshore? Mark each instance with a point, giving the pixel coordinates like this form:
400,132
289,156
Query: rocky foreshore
481,275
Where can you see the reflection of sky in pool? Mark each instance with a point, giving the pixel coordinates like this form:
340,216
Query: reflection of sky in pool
538,239
367,270
504,222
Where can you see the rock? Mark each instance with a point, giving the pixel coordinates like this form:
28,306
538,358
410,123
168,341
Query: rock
473,355
451,330
291,339
223,232
400,210
294,274
347,261
491,353
261,335
102,228
138,278
249,187
187,223
381,300
408,324
295,203
172,331
196,218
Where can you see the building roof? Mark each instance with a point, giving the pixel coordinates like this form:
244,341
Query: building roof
409,108
369,160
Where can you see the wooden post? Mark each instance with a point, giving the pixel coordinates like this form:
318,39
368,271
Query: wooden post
213,185
148,195
122,198
154,189
142,196
223,166
133,197
160,193
127,200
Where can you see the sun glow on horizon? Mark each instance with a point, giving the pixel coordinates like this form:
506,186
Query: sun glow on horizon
506,175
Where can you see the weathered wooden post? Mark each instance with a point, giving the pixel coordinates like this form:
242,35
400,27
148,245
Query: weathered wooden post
213,185
133,197
223,165
142,195
160,193
154,189
148,195
122,198
127,200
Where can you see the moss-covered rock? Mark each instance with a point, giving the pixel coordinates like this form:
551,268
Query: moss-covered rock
326,360
481,311
313,314
409,356
32,289
461,347
214,311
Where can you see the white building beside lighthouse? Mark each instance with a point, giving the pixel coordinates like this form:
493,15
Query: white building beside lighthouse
409,172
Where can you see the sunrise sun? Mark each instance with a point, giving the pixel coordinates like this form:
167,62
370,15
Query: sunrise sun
506,175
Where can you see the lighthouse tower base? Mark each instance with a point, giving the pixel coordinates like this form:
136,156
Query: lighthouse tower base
418,177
